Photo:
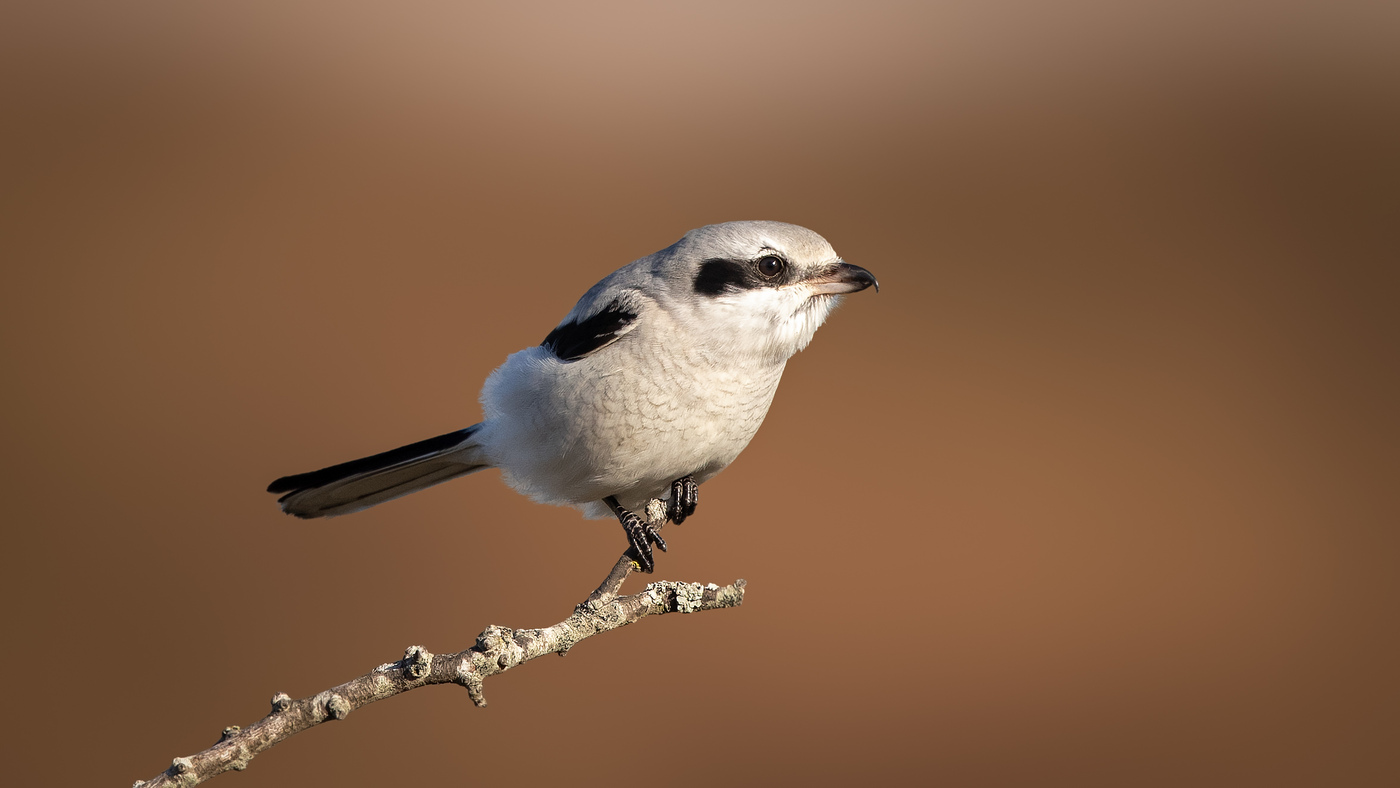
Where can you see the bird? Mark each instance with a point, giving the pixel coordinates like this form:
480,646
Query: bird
651,385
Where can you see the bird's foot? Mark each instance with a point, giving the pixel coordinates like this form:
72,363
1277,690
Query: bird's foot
685,494
641,535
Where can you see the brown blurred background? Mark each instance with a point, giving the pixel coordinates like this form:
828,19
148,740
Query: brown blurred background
1099,490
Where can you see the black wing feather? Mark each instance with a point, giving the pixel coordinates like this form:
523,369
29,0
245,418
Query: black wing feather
576,339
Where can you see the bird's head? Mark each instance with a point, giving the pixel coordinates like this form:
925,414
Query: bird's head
759,288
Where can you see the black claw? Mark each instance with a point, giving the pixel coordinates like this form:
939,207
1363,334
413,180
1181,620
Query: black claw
685,494
692,495
641,535
637,537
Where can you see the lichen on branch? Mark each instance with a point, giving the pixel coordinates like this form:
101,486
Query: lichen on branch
497,650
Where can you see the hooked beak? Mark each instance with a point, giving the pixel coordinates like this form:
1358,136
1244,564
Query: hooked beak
842,278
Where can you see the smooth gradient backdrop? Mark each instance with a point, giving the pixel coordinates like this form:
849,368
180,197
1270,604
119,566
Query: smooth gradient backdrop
1100,490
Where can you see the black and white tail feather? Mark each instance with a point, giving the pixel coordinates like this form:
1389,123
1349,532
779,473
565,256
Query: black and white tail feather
360,484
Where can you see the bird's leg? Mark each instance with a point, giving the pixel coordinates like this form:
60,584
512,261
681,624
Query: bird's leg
640,533
685,494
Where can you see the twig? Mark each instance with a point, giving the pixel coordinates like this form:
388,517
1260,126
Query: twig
497,650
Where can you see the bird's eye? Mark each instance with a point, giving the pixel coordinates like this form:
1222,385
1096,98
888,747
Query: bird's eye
771,265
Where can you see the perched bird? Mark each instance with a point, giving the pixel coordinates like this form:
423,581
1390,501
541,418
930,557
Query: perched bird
654,383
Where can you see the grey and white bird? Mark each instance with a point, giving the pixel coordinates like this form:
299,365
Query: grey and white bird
652,384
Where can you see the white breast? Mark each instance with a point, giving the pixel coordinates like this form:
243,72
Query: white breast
626,421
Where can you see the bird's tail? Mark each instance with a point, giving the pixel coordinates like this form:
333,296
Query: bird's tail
360,484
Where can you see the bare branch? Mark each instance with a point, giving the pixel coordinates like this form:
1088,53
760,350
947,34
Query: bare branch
497,650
